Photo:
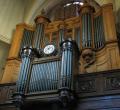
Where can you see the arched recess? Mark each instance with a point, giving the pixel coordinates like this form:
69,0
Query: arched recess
35,7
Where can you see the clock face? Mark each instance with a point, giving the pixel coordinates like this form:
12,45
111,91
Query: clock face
49,49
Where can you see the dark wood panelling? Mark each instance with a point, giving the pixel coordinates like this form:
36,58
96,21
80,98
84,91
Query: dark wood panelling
96,84
96,91
6,91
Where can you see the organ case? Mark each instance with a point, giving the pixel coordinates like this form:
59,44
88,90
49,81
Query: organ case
94,33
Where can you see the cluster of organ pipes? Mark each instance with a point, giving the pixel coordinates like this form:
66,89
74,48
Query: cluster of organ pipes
44,76
99,37
39,34
90,33
27,38
86,30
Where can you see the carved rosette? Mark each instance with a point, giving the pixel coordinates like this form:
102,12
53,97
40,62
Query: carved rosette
88,56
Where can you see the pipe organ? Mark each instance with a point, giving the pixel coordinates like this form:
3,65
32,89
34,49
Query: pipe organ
45,67
58,60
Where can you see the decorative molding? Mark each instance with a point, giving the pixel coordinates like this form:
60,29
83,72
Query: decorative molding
112,83
99,83
6,92
86,86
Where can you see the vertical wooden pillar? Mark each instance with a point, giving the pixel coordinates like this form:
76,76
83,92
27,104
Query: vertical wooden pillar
110,36
13,62
11,70
109,23
17,38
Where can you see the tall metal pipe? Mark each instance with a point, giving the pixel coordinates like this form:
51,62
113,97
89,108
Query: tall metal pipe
27,57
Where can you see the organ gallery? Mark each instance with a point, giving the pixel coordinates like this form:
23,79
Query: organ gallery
64,62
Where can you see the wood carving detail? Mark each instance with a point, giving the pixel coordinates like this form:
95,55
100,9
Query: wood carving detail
6,92
113,83
86,86
88,57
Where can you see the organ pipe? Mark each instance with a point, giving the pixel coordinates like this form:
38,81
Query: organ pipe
27,57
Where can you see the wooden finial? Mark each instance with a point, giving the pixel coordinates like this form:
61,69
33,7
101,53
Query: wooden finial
43,12
42,17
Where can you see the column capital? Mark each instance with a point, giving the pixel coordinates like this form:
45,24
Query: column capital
27,52
41,19
86,8
67,45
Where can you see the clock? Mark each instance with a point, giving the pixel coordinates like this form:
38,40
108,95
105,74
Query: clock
49,49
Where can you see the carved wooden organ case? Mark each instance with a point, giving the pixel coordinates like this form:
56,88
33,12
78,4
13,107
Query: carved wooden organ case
93,32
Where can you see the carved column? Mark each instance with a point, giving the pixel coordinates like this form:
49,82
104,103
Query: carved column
17,38
112,49
109,23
